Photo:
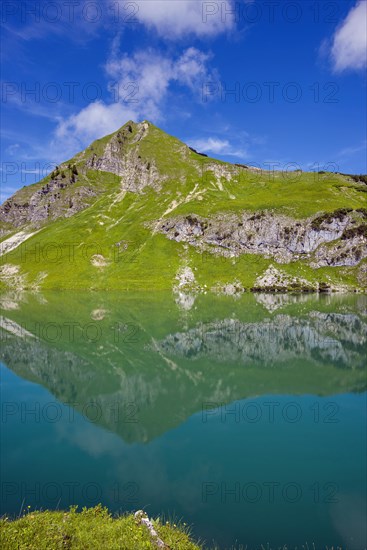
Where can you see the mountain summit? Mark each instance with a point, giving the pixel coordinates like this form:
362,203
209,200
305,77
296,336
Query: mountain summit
139,209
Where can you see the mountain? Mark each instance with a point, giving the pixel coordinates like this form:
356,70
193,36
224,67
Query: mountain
139,209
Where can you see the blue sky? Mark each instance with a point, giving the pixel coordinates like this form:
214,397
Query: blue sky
273,83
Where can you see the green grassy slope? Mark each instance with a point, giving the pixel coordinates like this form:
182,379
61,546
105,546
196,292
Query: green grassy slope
89,529
61,254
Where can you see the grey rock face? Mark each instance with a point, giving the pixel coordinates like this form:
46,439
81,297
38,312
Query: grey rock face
347,252
274,279
121,157
273,236
111,160
136,174
325,337
46,203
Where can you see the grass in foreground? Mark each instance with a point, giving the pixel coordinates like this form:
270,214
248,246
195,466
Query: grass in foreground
90,529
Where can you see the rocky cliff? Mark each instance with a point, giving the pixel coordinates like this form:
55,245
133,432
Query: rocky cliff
275,236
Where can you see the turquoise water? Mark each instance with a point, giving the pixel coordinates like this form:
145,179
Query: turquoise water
246,418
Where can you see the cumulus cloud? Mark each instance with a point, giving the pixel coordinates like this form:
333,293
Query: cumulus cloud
152,73
217,147
174,19
140,88
141,80
349,43
95,120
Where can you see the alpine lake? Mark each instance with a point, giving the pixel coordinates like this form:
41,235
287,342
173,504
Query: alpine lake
243,417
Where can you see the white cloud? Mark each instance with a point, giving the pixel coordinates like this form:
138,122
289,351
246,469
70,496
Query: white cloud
190,69
12,149
171,19
176,18
141,86
142,80
353,150
349,43
77,21
152,73
218,147
212,145
97,119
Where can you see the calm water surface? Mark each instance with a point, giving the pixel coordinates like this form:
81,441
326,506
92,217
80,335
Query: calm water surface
246,418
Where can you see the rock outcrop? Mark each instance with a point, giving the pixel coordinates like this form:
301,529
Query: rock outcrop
276,236
121,157
326,337
50,202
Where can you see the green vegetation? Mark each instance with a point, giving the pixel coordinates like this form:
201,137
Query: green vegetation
89,529
357,177
133,328
111,242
